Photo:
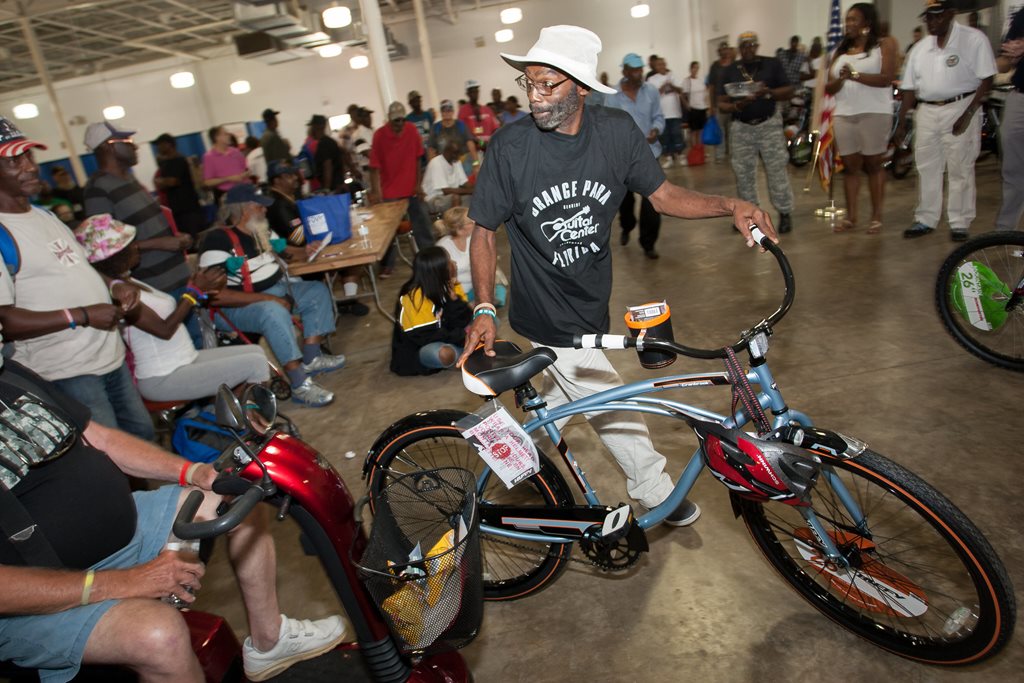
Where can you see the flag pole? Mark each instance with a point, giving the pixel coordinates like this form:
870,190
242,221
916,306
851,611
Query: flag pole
821,156
816,136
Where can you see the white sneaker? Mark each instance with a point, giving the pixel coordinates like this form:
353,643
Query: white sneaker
298,641
324,363
667,163
312,394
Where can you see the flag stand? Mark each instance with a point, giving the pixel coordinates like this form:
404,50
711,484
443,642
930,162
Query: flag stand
831,212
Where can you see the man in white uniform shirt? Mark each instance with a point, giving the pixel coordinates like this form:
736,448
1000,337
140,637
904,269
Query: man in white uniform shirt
946,75
444,180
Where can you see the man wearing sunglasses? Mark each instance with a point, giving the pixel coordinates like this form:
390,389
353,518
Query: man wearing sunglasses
556,181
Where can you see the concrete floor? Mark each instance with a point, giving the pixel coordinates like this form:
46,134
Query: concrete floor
862,351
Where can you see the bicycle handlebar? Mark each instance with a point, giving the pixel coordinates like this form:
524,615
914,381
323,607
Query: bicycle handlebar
618,341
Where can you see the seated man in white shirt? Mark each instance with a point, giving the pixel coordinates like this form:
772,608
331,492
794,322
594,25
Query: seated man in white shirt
444,181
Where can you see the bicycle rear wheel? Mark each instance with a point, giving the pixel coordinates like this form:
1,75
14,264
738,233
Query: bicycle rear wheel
512,569
973,292
922,581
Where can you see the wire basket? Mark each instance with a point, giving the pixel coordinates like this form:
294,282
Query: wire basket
422,563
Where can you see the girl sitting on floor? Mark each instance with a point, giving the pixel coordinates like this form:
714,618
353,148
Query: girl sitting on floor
167,367
430,318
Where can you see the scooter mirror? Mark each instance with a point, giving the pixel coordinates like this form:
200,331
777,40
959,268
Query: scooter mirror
260,408
228,410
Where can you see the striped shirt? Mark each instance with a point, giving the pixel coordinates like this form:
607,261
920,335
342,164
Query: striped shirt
128,202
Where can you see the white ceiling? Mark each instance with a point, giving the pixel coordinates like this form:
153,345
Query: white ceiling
79,38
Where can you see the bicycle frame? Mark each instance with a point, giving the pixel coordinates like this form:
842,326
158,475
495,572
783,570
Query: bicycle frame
635,397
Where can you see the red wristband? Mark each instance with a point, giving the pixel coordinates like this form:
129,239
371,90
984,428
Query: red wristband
181,475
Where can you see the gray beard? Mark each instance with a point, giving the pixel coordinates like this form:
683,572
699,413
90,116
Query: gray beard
259,228
560,111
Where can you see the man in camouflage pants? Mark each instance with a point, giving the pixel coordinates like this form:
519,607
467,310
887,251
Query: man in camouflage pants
756,127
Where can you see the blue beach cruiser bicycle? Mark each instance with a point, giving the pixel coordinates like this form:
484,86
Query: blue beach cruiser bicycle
865,541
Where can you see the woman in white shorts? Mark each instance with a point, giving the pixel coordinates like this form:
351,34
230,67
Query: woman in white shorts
861,73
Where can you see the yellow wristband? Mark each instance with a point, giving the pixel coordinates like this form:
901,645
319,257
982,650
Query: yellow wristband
87,587
189,298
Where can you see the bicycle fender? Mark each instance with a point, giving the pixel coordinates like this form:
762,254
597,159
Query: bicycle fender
441,417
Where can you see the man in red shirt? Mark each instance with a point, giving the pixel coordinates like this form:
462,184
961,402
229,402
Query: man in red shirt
479,119
396,173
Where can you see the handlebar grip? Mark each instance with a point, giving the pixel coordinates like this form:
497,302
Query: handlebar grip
186,529
601,341
759,236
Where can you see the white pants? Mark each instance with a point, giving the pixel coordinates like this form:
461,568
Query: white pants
581,372
937,150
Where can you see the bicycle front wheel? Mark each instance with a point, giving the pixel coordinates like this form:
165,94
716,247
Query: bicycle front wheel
512,569
921,581
974,288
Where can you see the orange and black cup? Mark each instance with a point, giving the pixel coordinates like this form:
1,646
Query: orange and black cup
652,320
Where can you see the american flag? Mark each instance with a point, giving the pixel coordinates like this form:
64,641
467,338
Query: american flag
828,159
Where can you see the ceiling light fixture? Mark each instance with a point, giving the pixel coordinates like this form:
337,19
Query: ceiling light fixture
339,121
113,113
328,51
240,87
26,111
359,62
504,35
336,17
639,10
511,15
183,79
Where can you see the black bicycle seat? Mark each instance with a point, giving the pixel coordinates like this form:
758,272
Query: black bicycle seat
508,368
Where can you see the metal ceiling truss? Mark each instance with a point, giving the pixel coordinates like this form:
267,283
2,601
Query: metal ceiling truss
79,38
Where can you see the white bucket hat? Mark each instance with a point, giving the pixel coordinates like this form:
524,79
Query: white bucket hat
570,49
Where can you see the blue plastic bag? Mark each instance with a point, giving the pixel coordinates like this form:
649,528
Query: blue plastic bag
325,215
712,133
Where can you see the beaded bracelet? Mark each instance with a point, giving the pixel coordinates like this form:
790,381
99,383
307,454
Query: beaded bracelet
71,320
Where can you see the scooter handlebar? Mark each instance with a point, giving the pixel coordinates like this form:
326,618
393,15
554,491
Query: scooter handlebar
238,510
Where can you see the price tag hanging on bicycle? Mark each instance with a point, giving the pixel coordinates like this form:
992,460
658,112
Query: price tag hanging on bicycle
501,442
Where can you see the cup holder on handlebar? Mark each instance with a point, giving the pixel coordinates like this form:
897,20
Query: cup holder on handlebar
654,319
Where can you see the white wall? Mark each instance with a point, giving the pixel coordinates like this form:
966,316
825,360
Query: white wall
675,29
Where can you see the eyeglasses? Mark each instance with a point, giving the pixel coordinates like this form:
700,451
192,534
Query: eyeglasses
544,88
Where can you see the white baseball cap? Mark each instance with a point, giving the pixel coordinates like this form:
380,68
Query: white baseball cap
98,133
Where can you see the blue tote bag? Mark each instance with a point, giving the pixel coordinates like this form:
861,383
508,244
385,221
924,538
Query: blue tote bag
327,214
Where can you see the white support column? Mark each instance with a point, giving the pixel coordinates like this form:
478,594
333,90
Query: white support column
58,113
374,27
425,53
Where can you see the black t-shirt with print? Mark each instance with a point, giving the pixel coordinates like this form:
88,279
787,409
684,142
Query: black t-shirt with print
558,195
81,501
765,69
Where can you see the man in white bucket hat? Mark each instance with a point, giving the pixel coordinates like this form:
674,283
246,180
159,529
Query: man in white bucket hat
556,181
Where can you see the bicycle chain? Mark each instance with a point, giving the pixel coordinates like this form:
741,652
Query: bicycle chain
570,558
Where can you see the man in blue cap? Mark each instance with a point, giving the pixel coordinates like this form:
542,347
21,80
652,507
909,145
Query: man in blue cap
642,101
259,297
